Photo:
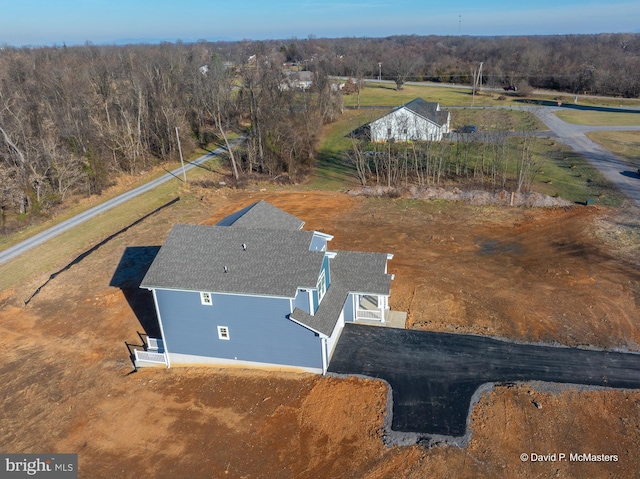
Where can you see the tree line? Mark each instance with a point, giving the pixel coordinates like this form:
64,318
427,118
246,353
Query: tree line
602,64
73,118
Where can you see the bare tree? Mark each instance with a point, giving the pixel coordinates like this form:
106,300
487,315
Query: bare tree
399,65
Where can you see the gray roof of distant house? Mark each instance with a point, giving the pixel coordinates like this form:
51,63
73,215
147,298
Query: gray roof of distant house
194,258
263,215
425,109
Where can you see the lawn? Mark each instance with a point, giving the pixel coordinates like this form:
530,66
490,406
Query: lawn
625,144
599,118
496,119
568,99
385,94
564,174
332,173
571,177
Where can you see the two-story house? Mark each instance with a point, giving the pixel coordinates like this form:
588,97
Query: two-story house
258,290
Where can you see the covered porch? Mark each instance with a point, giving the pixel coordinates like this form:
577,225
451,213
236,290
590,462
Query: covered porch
373,310
371,307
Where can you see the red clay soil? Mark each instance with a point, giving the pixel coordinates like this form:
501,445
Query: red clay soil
560,276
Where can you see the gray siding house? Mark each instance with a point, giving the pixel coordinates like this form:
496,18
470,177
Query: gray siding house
258,290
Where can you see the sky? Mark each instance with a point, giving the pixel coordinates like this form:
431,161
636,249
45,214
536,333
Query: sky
72,22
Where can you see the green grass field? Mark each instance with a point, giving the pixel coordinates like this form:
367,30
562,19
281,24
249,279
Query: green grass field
564,174
386,94
567,99
625,144
571,177
599,118
331,172
496,119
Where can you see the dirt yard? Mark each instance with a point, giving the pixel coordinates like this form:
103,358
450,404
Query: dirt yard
563,276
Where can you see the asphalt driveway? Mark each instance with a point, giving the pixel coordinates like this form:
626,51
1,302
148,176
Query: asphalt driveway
434,375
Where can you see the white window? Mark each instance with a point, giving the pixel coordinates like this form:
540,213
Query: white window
322,286
205,298
223,333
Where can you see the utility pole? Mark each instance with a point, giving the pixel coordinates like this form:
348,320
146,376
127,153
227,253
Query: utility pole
459,25
184,173
379,72
477,80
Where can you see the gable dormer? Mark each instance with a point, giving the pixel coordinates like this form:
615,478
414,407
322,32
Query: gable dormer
319,241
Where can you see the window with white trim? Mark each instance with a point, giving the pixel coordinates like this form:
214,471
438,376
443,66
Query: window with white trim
322,286
205,298
223,333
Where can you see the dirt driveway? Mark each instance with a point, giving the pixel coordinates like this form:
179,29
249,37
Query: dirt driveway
544,276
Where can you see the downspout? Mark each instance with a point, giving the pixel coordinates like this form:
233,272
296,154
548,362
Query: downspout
312,309
325,366
164,340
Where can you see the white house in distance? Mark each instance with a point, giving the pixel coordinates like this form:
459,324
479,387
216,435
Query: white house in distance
297,80
418,120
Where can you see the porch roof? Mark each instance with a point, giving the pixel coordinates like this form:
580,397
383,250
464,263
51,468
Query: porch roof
361,272
326,317
351,272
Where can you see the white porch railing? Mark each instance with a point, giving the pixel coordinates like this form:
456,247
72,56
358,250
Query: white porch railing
150,357
368,314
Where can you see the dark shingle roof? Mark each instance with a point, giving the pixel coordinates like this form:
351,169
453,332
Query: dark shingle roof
260,250
351,272
263,215
274,263
326,317
361,272
428,110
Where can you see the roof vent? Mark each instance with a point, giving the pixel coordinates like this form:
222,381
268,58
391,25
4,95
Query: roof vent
244,247
226,270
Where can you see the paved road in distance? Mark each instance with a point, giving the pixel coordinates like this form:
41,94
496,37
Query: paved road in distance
46,235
